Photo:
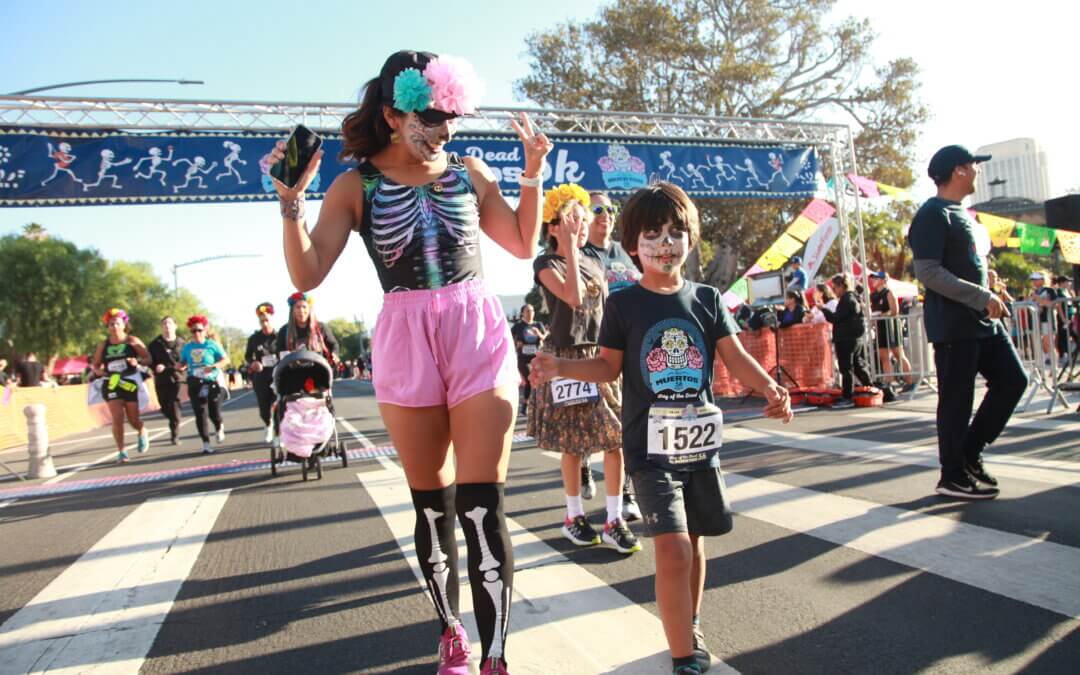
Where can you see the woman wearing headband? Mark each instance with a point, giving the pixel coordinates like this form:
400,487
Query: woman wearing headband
204,358
118,359
261,355
303,331
445,372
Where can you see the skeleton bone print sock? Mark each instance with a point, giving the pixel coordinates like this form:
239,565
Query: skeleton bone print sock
436,550
491,561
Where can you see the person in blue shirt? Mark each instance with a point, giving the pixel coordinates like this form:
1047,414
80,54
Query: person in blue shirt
797,279
204,359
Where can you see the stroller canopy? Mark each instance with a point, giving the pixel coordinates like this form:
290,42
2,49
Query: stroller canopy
291,374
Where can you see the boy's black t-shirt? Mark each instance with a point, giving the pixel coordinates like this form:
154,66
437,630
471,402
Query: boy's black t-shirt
668,344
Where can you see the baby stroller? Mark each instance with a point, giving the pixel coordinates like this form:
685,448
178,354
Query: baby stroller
304,414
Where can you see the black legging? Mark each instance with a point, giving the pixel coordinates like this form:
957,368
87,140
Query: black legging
168,394
261,382
523,368
851,357
201,406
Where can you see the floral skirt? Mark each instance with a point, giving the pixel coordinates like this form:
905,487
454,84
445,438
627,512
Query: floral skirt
577,429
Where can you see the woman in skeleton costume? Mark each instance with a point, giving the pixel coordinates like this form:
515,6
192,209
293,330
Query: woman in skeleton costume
445,373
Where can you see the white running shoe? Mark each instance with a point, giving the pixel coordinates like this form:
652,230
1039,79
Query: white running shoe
269,437
221,433
207,449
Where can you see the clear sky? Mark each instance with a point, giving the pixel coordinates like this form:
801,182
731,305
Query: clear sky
991,71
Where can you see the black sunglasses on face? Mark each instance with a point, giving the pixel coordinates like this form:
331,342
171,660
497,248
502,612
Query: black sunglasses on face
611,209
198,330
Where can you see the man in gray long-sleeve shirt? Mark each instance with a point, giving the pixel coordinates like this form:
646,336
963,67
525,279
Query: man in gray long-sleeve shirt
962,320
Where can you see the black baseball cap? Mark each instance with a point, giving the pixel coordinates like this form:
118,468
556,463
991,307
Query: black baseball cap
404,60
948,158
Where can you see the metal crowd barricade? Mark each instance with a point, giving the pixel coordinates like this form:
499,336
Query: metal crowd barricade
901,338
1064,330
1028,333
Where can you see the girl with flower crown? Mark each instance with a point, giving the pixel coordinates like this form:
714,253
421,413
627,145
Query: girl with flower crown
304,331
565,416
445,372
118,359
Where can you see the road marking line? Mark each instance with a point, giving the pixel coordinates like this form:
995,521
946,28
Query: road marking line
1053,472
556,602
1063,422
104,612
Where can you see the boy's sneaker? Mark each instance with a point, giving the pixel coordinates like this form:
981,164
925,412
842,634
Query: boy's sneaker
965,488
122,457
221,433
619,536
580,532
630,509
494,666
454,651
143,444
207,449
701,652
588,485
979,473
686,670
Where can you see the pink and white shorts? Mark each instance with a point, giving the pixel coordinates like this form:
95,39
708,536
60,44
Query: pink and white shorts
441,346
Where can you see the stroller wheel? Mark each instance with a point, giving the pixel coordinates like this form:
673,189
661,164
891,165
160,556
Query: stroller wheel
318,468
273,463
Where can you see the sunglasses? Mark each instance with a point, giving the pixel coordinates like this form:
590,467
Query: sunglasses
198,330
609,209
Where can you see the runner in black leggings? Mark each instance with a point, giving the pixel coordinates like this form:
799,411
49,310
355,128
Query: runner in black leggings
261,356
168,373
204,358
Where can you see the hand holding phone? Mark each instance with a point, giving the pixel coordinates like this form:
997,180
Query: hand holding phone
299,151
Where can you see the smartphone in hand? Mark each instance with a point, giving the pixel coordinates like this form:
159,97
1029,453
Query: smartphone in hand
302,145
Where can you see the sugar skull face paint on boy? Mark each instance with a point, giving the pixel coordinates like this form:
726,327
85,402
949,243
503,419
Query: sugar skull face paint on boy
664,249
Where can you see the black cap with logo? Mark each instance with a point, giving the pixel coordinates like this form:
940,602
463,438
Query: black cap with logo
948,158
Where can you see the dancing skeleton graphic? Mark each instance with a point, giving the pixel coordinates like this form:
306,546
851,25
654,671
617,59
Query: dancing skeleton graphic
195,167
232,158
723,169
155,159
693,172
107,157
751,173
62,159
777,164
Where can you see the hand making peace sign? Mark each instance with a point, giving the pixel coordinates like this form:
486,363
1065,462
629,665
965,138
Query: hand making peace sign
536,144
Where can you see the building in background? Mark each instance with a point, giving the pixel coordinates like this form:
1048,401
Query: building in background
1017,170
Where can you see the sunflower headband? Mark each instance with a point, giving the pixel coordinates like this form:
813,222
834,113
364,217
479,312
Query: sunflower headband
265,308
447,84
112,313
300,297
556,198
197,320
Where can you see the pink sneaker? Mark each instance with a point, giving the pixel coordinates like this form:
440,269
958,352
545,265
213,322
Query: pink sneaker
454,651
494,666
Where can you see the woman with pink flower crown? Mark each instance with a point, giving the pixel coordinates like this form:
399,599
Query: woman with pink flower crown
445,372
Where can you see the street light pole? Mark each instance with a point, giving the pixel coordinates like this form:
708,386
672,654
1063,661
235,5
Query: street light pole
35,90
176,286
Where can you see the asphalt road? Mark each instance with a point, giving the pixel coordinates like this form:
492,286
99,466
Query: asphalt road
842,559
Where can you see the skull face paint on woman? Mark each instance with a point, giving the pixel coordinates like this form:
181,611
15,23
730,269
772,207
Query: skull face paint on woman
426,141
663,250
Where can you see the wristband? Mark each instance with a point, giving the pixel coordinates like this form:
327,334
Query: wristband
292,209
524,181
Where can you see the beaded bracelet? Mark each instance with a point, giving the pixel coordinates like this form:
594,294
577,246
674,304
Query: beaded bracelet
292,209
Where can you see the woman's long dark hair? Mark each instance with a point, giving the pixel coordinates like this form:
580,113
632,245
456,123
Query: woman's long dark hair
365,131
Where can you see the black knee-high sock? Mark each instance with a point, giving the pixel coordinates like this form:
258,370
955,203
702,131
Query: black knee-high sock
491,561
438,555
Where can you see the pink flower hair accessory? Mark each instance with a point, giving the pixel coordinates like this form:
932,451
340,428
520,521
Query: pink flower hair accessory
455,86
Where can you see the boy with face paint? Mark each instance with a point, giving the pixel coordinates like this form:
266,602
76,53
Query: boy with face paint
661,336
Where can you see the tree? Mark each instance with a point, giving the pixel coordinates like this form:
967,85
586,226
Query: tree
734,58
134,287
352,337
1015,270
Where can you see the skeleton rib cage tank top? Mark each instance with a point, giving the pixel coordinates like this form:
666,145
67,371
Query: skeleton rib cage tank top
422,237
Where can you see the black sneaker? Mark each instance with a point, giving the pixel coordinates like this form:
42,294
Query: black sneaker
686,670
701,652
580,532
965,488
619,536
588,485
979,473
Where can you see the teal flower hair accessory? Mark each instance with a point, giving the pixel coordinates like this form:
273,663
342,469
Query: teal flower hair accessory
412,93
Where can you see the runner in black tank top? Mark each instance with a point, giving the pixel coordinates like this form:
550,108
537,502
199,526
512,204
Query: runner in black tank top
261,355
117,360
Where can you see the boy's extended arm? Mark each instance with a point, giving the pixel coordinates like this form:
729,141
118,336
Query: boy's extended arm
741,365
606,367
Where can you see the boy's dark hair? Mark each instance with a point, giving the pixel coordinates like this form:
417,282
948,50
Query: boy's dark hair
651,207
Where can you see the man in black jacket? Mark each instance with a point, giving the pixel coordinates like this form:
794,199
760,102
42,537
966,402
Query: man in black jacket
848,329
167,365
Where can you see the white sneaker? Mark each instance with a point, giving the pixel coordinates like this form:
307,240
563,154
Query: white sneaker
630,510
221,433
207,449
269,437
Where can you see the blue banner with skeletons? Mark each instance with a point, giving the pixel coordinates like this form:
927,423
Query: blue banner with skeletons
76,167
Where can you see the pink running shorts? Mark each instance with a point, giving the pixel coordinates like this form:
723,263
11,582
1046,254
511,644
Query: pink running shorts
441,346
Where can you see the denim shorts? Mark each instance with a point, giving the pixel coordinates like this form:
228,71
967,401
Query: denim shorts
671,502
